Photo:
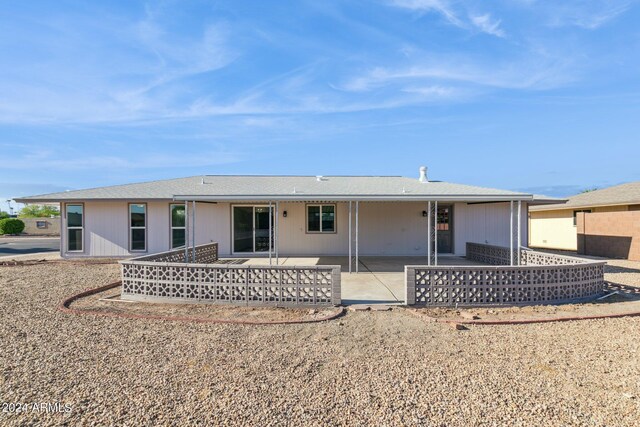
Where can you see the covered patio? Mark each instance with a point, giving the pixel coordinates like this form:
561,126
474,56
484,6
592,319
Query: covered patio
380,280
484,277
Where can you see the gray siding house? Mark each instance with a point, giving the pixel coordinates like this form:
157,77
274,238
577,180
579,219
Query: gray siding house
296,240
290,216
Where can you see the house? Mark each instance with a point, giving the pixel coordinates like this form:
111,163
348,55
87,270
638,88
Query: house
602,222
294,215
296,240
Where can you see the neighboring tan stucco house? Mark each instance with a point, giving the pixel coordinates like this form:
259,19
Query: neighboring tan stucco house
602,222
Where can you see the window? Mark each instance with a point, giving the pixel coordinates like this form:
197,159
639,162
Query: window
137,227
575,215
321,218
177,226
75,227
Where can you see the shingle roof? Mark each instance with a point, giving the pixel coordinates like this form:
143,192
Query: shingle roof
229,187
625,194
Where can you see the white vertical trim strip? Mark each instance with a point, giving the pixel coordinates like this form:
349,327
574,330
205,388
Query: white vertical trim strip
435,238
277,234
511,233
186,231
270,232
429,233
350,236
193,233
63,228
357,244
519,230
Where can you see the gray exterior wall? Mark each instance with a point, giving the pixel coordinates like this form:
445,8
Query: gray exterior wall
385,228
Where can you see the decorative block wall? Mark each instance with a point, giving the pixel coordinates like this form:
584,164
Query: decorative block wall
165,277
543,278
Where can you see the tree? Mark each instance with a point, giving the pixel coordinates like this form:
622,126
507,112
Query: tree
589,190
11,226
39,211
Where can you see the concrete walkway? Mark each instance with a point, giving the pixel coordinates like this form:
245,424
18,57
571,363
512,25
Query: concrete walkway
380,280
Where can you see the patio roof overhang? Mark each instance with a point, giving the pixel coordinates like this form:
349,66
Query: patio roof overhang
354,197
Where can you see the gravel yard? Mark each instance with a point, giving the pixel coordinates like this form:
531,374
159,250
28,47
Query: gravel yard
380,368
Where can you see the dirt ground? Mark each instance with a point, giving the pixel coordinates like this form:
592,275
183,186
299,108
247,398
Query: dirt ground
380,368
109,301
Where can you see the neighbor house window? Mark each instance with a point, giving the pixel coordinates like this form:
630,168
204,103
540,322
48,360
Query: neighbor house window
177,226
75,227
321,218
137,227
575,215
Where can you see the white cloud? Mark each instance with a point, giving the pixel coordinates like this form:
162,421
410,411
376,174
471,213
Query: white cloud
454,13
439,6
535,72
487,25
110,70
591,19
49,160
586,14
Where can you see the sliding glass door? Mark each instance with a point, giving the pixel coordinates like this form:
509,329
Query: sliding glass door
251,229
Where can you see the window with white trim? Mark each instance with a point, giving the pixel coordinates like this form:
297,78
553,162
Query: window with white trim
137,227
321,218
75,227
178,229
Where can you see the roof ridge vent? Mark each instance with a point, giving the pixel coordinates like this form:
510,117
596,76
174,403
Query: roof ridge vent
423,174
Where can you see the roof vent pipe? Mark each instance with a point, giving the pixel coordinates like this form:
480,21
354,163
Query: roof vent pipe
423,174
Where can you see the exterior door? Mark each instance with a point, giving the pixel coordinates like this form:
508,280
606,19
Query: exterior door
251,229
445,229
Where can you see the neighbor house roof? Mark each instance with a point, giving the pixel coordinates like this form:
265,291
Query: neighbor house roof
230,188
624,194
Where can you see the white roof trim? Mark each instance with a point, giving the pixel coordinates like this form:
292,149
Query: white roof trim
366,198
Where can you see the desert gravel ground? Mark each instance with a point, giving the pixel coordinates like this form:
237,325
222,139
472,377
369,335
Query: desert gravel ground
367,368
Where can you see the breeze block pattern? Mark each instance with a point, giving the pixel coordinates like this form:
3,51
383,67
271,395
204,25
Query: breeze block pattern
544,278
151,278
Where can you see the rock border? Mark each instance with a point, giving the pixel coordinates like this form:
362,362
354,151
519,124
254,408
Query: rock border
66,303
27,262
454,322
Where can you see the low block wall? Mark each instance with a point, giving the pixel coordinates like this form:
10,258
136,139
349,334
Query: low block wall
41,226
488,254
204,254
153,278
543,278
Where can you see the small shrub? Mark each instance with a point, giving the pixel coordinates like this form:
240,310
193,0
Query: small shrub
3,215
11,226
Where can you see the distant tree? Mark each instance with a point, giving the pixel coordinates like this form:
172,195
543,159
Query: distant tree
589,190
39,211
4,214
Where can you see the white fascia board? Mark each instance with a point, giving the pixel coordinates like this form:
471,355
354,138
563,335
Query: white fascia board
91,199
362,198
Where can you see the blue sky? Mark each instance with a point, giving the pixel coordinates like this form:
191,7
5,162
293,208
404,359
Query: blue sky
521,94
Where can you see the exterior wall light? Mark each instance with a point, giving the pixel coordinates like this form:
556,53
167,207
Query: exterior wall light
284,214
424,213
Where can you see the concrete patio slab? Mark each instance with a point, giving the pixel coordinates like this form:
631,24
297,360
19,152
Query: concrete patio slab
380,280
